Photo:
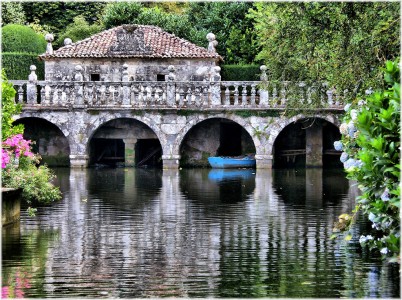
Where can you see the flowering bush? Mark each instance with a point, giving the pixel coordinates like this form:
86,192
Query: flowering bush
371,144
18,163
14,147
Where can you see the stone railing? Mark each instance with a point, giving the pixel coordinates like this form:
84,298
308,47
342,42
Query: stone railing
171,94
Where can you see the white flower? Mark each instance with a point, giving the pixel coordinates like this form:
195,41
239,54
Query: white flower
361,103
384,250
353,114
338,145
385,195
347,106
371,217
343,128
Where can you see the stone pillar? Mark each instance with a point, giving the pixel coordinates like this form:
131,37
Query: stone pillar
170,161
216,86
263,161
10,205
129,152
314,146
126,88
264,81
31,86
171,89
78,88
79,160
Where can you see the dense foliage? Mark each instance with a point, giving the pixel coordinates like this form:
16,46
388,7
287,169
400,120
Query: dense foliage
20,38
8,109
56,16
234,32
342,43
371,143
17,65
20,48
77,31
18,163
240,72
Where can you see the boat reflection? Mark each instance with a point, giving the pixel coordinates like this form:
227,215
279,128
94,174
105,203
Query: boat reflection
219,175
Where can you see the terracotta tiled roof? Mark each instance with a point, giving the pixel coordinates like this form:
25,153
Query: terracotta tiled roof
143,41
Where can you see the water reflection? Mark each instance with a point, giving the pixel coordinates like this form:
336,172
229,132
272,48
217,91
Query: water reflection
195,233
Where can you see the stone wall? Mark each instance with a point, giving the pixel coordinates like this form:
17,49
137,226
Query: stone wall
138,69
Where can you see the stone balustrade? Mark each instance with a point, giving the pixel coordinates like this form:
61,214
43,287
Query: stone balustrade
172,94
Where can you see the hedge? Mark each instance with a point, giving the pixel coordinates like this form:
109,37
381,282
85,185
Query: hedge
17,65
20,38
240,72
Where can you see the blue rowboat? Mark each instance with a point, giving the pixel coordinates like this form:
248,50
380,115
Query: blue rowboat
222,162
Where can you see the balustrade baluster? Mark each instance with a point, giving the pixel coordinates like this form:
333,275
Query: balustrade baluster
283,94
20,95
227,96
236,94
275,96
59,96
244,95
252,96
135,100
42,95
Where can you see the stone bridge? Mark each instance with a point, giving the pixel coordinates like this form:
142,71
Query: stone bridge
188,121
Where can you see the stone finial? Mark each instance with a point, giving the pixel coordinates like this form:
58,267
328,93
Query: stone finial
263,70
125,77
212,42
67,42
78,75
49,38
216,76
32,77
171,76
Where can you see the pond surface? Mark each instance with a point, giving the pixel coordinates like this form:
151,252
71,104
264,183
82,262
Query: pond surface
137,233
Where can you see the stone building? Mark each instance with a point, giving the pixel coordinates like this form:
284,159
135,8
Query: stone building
146,50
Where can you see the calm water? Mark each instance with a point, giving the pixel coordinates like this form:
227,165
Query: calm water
192,233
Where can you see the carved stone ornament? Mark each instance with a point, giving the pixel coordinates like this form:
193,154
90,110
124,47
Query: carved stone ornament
130,41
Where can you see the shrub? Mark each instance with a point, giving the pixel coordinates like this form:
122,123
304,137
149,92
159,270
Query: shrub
371,144
18,163
17,65
240,72
78,31
22,39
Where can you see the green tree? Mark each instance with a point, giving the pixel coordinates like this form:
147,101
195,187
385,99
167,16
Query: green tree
12,13
20,48
341,43
58,15
78,31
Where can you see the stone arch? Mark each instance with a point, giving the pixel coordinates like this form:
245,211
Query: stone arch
210,138
303,143
49,140
196,119
276,128
128,139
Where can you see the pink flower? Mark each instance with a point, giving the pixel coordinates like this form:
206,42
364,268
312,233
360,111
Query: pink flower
5,158
5,292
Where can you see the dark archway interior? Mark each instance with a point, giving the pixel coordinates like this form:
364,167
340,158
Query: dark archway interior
107,151
290,145
125,143
214,137
291,140
48,140
148,153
